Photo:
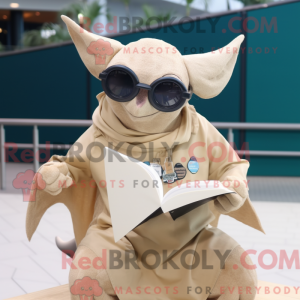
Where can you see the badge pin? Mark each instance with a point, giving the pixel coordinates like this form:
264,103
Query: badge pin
169,178
156,166
169,169
193,165
169,174
180,171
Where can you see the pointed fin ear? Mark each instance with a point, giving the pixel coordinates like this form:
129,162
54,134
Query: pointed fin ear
209,73
95,51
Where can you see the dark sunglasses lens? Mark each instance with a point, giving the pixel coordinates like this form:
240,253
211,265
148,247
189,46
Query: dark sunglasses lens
119,83
167,94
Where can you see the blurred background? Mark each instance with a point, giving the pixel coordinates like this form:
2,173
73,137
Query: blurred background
42,77
34,23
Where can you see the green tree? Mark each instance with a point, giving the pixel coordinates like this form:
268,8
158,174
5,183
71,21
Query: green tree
33,38
126,4
2,47
188,4
89,11
228,5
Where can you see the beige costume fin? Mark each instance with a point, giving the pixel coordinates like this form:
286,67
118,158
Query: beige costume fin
79,201
210,72
95,51
247,215
79,198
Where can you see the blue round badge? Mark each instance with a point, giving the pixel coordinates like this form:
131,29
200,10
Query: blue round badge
147,163
193,165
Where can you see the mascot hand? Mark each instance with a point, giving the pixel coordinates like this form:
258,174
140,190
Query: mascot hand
56,176
230,202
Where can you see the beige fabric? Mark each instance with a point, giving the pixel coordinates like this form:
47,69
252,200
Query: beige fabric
110,126
101,276
144,136
237,283
85,42
210,72
161,233
80,169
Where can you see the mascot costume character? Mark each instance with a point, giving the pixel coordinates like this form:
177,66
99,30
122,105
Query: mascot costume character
144,111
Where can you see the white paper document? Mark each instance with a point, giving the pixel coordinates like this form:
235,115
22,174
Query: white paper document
135,193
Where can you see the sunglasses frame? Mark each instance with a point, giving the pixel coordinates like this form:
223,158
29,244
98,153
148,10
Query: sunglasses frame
151,88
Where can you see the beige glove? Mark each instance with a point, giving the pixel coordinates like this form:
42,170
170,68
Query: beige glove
230,202
56,176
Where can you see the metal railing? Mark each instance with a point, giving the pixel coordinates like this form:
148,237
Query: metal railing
35,123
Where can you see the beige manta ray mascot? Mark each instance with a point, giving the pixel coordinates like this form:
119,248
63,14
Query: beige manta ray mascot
161,259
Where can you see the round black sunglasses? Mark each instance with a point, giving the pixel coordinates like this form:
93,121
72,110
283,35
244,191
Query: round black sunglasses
121,84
